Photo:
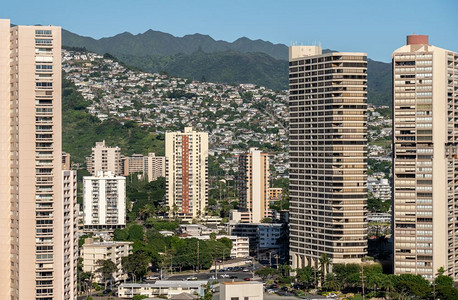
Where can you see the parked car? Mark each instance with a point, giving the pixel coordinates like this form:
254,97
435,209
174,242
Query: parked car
191,278
152,278
107,291
246,270
247,278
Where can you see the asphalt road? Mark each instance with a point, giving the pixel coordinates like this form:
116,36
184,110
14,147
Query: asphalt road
207,276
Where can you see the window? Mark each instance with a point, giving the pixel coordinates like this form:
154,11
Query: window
234,298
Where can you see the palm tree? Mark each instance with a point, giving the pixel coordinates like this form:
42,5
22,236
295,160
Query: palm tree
324,262
147,211
332,283
305,276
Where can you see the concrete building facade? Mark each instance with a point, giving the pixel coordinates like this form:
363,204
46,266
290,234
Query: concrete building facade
104,201
242,290
153,166
425,130
92,252
32,264
70,237
253,184
162,288
328,145
104,158
187,172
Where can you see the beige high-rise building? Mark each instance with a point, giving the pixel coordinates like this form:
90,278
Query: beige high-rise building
70,237
34,262
328,145
253,184
65,161
187,172
154,166
104,158
425,164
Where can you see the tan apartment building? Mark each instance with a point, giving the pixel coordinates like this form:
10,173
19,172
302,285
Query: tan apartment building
104,158
92,252
65,161
425,165
187,172
153,166
275,194
328,145
253,184
132,164
150,166
33,258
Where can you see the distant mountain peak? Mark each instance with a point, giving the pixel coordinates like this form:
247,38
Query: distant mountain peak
196,55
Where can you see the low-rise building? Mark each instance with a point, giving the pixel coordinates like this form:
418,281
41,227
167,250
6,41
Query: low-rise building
380,188
261,235
379,217
275,194
241,290
92,252
240,245
268,235
167,288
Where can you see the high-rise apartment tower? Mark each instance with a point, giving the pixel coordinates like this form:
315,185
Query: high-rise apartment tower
328,144
425,163
104,202
187,172
34,262
253,184
104,158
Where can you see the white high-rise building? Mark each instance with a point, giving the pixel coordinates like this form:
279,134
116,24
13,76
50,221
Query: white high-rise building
104,201
328,164
35,262
70,237
187,172
425,164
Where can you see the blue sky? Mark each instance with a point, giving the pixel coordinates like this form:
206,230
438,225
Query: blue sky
373,26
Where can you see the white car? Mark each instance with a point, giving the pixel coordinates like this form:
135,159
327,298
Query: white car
224,275
191,278
152,278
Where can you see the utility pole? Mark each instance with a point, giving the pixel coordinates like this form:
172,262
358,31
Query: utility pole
314,269
270,259
362,277
198,261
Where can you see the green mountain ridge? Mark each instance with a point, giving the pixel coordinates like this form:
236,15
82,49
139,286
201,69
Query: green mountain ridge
199,57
